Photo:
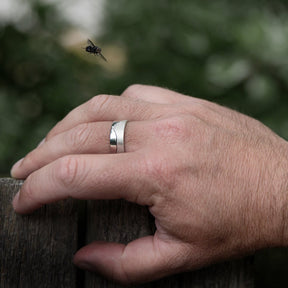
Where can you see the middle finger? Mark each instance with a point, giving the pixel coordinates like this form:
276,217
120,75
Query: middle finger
106,108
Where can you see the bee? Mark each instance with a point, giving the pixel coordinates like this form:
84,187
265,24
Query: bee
93,49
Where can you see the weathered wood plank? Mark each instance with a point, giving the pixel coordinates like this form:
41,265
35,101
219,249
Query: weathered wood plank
122,222
36,250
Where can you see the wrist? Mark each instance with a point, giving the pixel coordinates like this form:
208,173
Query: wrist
284,193
275,217
272,208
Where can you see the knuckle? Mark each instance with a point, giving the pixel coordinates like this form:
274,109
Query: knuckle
200,109
67,170
133,90
173,129
160,174
79,136
124,273
99,102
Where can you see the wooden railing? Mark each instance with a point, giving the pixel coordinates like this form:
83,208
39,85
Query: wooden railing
37,250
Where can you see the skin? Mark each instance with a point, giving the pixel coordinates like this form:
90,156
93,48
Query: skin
215,180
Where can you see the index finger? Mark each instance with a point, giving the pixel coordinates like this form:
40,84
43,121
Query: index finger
84,177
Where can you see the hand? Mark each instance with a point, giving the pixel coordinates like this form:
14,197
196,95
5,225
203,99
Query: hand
214,179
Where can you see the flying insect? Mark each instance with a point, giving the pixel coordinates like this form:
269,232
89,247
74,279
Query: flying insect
93,49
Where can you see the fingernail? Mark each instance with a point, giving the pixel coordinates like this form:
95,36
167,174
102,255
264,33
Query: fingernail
84,266
16,166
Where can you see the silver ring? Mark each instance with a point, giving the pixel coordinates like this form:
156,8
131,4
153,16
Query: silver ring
117,134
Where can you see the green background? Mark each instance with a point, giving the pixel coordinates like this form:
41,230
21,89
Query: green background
230,52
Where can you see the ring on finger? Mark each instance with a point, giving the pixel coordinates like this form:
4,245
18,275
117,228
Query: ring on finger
117,136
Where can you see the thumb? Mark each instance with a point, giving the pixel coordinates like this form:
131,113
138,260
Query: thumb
141,260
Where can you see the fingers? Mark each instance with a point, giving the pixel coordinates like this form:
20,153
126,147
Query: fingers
87,138
105,108
142,260
154,94
85,177
138,102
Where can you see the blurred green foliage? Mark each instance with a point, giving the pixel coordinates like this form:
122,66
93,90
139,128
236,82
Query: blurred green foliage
230,52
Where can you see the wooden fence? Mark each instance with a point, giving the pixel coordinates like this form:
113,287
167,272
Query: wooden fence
37,250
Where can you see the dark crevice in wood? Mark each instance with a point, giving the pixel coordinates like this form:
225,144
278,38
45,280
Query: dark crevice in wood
36,250
82,239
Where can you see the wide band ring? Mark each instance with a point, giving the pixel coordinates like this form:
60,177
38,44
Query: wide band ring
117,136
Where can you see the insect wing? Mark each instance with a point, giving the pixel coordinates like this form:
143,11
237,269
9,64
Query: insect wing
89,42
102,57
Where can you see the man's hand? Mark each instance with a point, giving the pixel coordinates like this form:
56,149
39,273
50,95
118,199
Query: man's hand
214,179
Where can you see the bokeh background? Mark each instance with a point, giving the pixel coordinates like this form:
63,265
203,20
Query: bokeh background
232,52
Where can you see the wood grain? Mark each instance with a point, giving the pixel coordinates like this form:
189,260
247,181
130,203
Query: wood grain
122,222
36,250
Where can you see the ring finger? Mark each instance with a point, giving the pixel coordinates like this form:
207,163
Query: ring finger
87,138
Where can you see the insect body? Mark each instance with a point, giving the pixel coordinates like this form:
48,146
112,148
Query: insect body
93,49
